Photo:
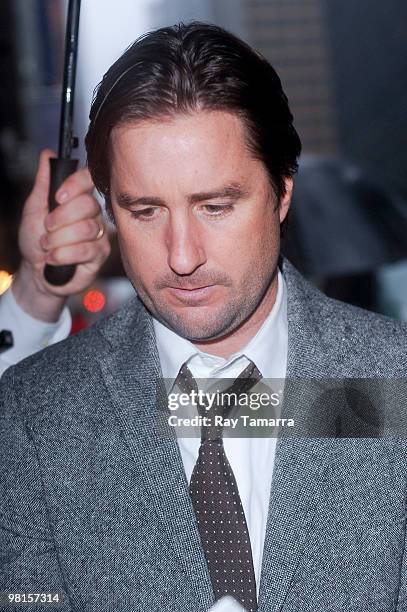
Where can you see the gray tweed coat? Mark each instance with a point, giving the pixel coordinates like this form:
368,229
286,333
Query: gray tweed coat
94,505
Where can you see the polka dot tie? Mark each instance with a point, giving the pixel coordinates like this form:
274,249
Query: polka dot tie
218,507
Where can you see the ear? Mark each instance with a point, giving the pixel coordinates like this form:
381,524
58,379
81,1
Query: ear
286,199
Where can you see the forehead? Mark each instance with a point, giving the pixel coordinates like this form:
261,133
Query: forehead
187,151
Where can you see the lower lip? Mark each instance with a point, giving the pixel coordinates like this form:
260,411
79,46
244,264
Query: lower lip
193,295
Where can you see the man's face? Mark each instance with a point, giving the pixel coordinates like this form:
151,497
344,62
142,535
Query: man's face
197,221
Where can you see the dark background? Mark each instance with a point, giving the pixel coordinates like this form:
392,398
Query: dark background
343,66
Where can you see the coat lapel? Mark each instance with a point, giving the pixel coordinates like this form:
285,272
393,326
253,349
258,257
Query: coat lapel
131,374
300,464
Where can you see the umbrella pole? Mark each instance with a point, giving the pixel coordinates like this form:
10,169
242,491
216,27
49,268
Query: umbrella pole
63,166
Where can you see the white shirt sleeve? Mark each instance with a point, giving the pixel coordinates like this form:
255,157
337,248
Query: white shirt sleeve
30,335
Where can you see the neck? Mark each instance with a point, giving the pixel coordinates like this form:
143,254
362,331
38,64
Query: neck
241,336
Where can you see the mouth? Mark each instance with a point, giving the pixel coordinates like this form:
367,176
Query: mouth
192,295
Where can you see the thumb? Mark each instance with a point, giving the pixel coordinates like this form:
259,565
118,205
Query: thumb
38,198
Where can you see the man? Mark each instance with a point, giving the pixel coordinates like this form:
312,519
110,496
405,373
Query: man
31,309
192,144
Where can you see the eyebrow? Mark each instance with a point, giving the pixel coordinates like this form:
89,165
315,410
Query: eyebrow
233,191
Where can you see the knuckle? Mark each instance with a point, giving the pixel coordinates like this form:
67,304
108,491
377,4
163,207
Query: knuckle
91,229
60,216
106,249
49,242
83,250
90,204
86,177
55,257
50,221
71,183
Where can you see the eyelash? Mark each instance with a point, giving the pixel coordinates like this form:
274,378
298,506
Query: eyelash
221,211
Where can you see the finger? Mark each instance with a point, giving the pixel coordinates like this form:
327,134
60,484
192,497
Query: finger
76,184
37,202
84,252
82,231
82,207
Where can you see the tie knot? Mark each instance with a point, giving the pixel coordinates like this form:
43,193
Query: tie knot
212,426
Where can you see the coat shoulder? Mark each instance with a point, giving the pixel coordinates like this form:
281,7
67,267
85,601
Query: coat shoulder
359,322
56,370
356,342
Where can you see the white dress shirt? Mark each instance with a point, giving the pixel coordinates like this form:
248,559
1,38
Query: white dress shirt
30,335
251,459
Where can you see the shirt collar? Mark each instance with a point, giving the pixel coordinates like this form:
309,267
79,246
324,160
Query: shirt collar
267,349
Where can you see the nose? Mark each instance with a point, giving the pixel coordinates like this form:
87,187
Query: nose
186,251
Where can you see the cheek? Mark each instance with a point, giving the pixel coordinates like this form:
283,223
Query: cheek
254,240
141,255
269,234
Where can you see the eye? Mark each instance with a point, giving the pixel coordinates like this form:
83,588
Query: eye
218,210
145,213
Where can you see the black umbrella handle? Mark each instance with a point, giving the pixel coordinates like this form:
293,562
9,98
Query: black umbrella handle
60,170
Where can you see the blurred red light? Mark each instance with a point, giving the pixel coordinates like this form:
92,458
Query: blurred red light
94,301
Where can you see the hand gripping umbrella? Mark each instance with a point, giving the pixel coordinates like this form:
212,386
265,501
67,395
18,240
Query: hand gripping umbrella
62,166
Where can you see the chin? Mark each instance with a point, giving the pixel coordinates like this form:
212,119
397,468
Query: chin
196,329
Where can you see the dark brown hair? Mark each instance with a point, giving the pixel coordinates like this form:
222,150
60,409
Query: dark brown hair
189,67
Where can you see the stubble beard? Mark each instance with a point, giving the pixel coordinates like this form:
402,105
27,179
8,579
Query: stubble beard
219,320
